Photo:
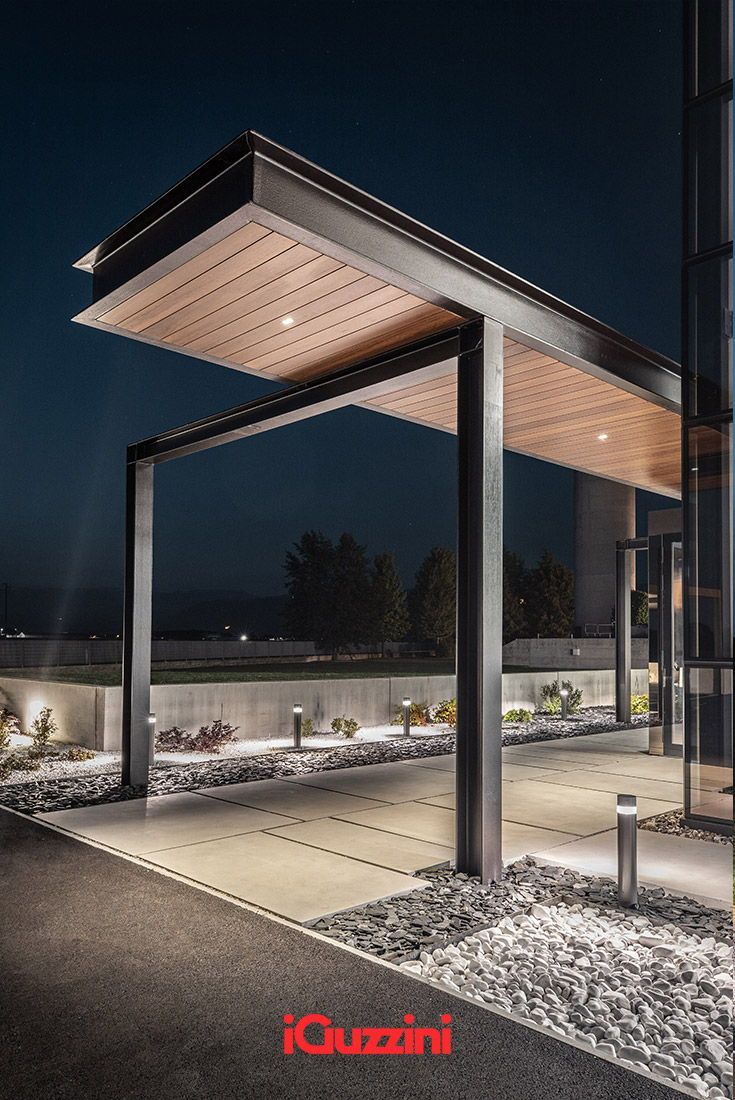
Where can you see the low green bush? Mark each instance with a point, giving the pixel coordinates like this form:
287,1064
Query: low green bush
551,699
639,704
9,725
78,752
518,714
445,712
307,727
43,728
345,727
17,762
207,739
418,715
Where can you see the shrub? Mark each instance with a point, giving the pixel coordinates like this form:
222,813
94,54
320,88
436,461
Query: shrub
418,715
307,727
446,713
212,738
78,752
9,725
639,704
518,714
43,728
17,762
207,739
551,699
346,727
174,739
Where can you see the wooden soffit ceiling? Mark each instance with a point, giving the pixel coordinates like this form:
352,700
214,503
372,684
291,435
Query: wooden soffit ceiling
561,414
261,302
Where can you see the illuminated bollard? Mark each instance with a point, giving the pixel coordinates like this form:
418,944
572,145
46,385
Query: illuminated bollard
627,851
297,712
152,738
406,717
564,696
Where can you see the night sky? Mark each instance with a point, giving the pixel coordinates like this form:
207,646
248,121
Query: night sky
544,135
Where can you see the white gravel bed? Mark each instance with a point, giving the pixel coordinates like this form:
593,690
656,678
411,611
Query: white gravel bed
647,994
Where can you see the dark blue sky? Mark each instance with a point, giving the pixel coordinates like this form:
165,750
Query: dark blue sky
544,135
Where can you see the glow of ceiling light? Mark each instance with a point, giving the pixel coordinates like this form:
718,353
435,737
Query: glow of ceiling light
287,321
602,437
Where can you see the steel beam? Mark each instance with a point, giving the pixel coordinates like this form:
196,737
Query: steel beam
422,360
480,599
137,731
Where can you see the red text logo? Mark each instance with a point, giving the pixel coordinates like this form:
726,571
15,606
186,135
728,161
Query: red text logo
316,1034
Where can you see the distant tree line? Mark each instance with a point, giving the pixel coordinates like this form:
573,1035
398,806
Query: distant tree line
340,598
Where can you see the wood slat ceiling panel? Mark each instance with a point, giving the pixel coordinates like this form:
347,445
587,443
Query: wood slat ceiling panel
259,301
556,412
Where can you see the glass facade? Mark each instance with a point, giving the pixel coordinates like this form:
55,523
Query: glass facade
707,461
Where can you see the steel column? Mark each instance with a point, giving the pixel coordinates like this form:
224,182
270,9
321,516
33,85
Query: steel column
137,731
623,579
480,599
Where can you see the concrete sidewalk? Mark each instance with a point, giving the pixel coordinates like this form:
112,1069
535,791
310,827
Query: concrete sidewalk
122,984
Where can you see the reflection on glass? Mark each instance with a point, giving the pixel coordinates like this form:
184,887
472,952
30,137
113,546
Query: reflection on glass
709,568
710,64
710,336
709,736
710,175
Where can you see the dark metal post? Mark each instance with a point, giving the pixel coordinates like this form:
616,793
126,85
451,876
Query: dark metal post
137,728
623,579
406,717
627,850
480,599
297,715
564,697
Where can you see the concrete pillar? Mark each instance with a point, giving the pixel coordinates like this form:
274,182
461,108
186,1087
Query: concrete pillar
604,514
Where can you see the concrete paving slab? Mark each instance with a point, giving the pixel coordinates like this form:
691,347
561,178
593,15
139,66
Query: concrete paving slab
698,868
545,761
435,824
148,824
670,769
446,763
293,880
543,751
395,782
598,780
294,800
554,806
399,853
421,820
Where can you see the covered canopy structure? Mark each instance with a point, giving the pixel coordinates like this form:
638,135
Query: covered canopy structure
262,262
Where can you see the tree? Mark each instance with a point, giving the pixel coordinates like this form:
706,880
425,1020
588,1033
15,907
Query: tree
639,608
351,590
550,598
310,588
515,624
388,603
434,598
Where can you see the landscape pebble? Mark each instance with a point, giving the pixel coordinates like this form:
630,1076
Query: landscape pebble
40,794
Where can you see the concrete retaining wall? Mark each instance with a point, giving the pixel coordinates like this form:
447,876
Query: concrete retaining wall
92,715
554,653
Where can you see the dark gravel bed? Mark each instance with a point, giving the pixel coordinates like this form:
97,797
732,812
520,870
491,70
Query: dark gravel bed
46,795
454,904
671,822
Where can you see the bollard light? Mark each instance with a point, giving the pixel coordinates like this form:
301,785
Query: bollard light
627,851
151,719
406,717
297,712
564,695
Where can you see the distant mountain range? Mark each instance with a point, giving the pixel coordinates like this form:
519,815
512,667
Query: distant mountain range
99,611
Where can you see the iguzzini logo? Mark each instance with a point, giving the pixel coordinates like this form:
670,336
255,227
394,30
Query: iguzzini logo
317,1034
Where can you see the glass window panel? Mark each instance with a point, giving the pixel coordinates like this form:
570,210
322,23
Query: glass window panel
709,366
708,757
708,551
710,62
709,175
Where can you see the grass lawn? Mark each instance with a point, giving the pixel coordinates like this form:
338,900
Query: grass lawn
110,675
